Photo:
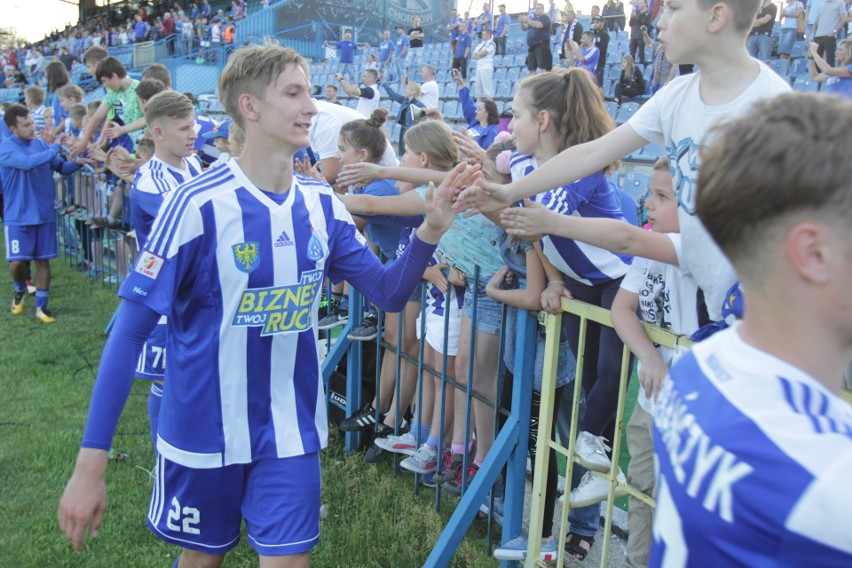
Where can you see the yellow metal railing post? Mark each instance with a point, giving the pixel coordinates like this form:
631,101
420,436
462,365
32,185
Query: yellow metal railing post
552,326
586,312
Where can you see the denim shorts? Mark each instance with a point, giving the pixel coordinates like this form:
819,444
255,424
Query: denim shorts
488,312
566,366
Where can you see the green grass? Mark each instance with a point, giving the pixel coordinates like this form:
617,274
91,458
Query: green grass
46,377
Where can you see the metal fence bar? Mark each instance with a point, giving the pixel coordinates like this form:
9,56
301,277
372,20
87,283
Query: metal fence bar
587,313
509,449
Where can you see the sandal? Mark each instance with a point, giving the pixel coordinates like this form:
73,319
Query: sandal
578,545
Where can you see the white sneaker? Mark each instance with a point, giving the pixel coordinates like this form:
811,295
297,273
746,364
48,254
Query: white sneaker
424,460
593,489
403,444
591,452
516,549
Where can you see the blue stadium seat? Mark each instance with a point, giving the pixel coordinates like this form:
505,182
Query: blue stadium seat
499,74
625,111
615,179
800,49
780,66
514,73
450,90
805,85
635,184
614,72
442,76
451,110
503,90
609,89
498,62
394,107
611,108
799,68
613,56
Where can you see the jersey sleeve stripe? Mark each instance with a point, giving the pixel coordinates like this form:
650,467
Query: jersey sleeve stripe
160,235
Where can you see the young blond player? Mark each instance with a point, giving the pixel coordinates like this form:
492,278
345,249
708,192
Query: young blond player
233,443
710,34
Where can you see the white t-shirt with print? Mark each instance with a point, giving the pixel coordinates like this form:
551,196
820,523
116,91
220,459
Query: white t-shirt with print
366,105
668,298
678,119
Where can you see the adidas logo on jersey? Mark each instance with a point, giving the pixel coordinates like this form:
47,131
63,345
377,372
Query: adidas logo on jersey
283,240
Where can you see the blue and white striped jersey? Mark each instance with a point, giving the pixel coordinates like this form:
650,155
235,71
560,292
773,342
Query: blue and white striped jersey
755,458
239,276
154,180
591,196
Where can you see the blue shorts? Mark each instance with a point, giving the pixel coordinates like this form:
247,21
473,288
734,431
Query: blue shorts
488,312
202,509
31,242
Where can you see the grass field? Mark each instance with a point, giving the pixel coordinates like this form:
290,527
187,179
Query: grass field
46,376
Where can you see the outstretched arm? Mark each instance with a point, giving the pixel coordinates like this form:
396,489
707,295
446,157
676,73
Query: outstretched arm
406,204
570,165
617,236
364,173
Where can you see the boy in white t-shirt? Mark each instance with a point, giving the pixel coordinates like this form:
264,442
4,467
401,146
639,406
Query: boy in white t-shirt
711,35
664,294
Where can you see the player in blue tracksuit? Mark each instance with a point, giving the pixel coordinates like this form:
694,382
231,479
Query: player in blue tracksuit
27,165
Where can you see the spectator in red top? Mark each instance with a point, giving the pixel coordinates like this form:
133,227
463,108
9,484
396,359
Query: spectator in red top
169,32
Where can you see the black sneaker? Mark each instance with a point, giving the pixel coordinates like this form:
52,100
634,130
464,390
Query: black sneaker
374,453
336,318
361,420
368,330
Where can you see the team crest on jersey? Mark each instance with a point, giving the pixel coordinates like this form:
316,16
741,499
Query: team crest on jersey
315,251
149,264
247,256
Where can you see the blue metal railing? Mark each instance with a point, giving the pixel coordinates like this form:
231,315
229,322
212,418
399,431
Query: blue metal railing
509,449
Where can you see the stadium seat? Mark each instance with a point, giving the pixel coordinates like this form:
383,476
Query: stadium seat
498,62
635,184
615,179
451,110
394,108
609,89
499,74
503,90
799,68
611,108
614,72
780,66
514,73
800,49
442,76
805,85
394,132
450,90
625,111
